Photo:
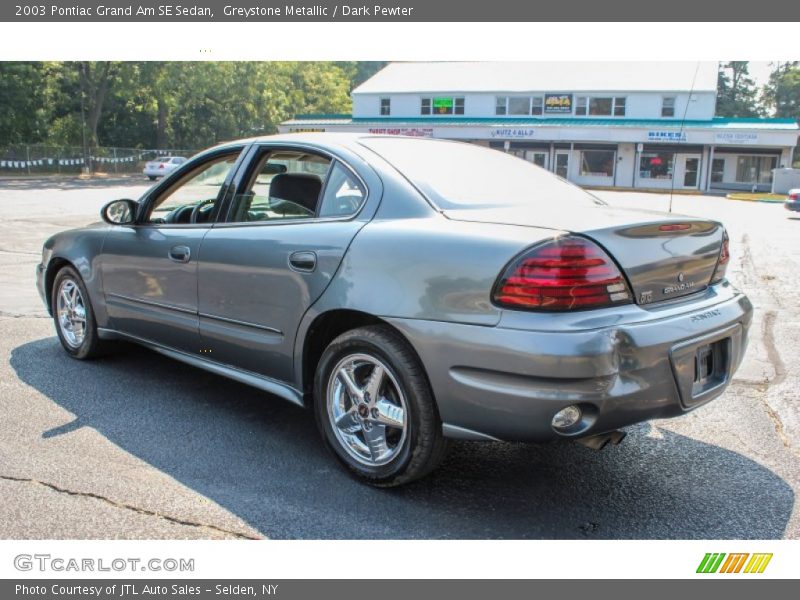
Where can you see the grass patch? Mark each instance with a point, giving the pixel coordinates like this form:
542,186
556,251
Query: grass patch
756,197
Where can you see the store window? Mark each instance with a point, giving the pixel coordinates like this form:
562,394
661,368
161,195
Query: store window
519,105
600,106
755,169
537,105
656,165
668,106
717,170
386,107
425,106
501,105
597,163
446,105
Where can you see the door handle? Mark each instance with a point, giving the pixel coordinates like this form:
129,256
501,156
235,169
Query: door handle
303,261
180,253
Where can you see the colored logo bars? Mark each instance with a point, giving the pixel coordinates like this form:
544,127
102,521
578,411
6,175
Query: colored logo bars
734,563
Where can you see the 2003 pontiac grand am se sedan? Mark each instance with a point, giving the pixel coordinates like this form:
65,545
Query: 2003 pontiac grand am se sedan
410,291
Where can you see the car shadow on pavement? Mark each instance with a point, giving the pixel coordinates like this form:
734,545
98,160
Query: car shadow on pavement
260,458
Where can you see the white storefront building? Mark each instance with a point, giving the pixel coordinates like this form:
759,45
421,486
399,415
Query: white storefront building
635,125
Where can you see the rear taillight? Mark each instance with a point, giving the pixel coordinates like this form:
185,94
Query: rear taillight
724,259
794,196
568,273
161,166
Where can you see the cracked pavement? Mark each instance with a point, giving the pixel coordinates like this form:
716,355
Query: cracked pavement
138,446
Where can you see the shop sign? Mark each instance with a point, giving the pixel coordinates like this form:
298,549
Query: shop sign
513,132
666,136
558,103
735,137
409,131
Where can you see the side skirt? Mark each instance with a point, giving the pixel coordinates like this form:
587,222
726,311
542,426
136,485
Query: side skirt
261,382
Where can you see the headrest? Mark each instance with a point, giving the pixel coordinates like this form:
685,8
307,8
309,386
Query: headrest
300,188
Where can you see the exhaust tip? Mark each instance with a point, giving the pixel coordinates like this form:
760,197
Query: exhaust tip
601,440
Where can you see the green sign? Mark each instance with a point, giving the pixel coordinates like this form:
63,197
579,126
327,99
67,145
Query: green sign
442,103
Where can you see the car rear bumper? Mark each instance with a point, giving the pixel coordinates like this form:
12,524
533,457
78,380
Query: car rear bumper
793,205
507,383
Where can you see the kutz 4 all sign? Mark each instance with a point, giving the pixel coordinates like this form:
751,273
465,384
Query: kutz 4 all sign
734,563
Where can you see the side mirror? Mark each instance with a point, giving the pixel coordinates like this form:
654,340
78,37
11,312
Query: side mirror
119,212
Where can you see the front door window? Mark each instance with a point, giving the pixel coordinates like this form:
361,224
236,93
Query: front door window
562,164
193,197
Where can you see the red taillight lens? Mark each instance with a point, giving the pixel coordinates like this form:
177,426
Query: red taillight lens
161,166
569,273
724,259
794,196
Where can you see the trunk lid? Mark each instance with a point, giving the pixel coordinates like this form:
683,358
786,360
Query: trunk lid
663,256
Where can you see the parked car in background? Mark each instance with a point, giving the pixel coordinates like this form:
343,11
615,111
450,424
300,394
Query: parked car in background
162,166
793,200
409,291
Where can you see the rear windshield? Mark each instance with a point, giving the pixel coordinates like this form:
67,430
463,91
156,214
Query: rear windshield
459,175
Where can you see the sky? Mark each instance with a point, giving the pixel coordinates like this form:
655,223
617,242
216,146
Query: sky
760,71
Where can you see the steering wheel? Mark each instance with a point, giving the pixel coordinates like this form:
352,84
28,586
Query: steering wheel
178,215
198,209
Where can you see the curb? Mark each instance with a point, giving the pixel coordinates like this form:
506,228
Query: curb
762,200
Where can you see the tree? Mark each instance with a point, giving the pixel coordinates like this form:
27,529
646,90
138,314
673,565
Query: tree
737,95
358,72
782,93
169,105
24,116
96,79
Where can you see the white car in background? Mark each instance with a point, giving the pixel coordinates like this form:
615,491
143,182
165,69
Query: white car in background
162,166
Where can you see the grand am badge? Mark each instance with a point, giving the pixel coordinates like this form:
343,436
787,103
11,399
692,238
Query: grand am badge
681,286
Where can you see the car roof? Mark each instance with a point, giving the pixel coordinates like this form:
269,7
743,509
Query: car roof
320,139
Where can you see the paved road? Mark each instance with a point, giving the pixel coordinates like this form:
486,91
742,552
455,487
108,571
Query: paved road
138,446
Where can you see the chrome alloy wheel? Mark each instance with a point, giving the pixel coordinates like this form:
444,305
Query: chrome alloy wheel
367,409
71,312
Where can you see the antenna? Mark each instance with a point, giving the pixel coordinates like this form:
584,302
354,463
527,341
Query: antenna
680,132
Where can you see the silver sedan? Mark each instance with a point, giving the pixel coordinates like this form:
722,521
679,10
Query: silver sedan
160,167
409,292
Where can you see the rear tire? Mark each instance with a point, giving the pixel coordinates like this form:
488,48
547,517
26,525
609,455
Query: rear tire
151,177
74,316
382,424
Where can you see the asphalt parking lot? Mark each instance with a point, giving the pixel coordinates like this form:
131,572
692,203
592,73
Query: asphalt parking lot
138,446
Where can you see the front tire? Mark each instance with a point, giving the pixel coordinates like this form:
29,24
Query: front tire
375,409
74,316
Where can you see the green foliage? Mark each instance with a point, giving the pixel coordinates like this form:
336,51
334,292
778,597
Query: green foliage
22,98
184,105
737,94
782,93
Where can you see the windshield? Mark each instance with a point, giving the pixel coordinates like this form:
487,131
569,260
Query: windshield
458,175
